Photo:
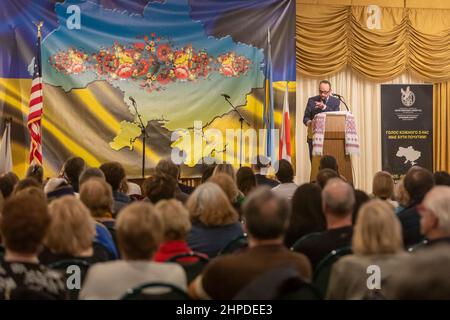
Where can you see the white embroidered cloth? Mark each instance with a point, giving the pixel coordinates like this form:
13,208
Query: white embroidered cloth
351,137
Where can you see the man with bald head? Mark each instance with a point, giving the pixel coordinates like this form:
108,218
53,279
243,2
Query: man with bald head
338,200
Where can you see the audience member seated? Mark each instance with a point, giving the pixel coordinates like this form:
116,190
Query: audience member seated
25,221
329,162
226,183
36,171
56,188
435,216
176,222
418,181
134,191
71,171
260,168
159,186
383,187
245,180
184,187
207,172
360,198
285,174
423,276
441,178
71,234
171,169
7,183
26,183
324,175
103,236
401,196
139,233
338,200
114,175
225,168
307,215
91,173
96,195
377,240
214,221
266,218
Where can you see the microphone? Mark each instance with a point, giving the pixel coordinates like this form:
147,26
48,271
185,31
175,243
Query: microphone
341,98
225,96
131,99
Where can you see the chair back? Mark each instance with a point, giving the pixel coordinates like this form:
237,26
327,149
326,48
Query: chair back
297,244
421,244
149,291
323,270
299,290
279,283
238,244
192,269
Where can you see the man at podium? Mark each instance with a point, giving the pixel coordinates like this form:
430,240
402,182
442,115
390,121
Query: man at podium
324,102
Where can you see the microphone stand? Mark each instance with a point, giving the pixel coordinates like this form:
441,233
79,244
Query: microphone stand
241,120
144,134
342,100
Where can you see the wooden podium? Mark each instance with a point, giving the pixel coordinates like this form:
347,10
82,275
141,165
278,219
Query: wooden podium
334,145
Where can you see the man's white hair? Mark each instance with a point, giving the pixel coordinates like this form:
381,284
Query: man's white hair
438,201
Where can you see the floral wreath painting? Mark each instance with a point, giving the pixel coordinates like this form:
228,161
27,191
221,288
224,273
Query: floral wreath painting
153,62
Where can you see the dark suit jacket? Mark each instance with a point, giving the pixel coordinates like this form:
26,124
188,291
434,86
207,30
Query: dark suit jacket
263,180
317,248
410,220
332,105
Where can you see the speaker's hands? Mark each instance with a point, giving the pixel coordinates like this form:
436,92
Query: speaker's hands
319,105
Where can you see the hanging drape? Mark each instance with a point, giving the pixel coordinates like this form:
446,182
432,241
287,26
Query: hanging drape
329,38
441,119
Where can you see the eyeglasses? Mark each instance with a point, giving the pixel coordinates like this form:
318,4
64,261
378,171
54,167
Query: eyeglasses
325,92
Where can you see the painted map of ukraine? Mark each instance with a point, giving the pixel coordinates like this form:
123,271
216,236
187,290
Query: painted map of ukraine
410,154
162,58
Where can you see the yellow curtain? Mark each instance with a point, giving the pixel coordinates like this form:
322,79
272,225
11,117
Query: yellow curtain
329,38
441,123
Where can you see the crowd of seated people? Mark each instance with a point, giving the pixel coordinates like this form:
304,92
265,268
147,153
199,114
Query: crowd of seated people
325,234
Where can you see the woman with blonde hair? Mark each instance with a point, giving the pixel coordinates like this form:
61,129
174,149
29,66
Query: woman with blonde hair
226,183
139,233
377,240
177,224
71,233
402,196
214,221
96,194
383,187
225,168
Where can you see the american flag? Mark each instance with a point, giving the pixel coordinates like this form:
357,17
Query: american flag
36,105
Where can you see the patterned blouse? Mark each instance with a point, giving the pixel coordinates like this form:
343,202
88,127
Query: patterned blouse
20,280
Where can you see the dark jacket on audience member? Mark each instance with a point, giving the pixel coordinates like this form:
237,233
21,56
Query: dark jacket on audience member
186,189
410,220
225,276
262,180
317,248
120,201
210,240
